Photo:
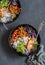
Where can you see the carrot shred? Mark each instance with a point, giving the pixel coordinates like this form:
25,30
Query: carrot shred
20,32
14,9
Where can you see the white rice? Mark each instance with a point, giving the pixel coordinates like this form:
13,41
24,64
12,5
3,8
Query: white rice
20,39
15,44
25,39
3,20
6,15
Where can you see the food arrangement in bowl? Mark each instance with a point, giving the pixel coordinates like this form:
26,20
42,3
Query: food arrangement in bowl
9,10
23,39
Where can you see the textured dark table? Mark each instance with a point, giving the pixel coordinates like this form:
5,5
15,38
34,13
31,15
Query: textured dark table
33,13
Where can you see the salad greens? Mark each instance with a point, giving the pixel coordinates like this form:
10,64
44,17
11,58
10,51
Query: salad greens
4,3
13,16
20,47
35,46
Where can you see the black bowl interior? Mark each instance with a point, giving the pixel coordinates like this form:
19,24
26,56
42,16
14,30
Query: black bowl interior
19,5
25,25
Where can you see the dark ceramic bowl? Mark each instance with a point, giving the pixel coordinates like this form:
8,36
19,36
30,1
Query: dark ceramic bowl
16,3
28,26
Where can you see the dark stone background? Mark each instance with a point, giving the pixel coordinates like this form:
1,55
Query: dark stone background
33,13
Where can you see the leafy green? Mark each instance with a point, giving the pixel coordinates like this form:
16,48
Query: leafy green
4,3
20,47
35,46
13,16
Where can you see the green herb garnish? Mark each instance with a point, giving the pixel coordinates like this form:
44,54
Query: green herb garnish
13,16
35,46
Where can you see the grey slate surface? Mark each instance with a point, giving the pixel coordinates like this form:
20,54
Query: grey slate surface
33,13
